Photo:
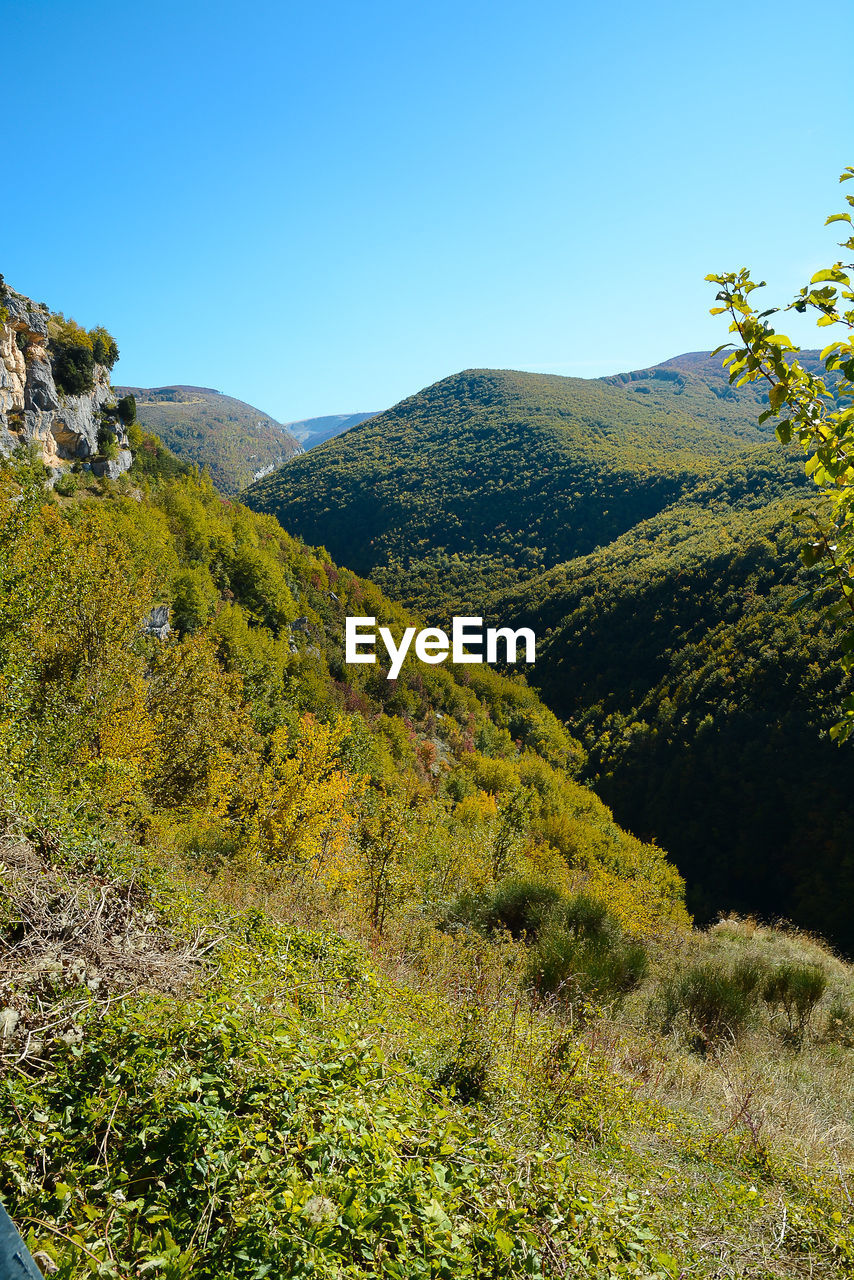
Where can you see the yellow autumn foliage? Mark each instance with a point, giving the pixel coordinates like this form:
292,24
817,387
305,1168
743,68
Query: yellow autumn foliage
294,809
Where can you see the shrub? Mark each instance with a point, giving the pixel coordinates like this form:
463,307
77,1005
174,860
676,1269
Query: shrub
467,1073
470,910
573,967
66,484
107,443
72,360
796,989
715,1001
74,354
839,1028
126,409
521,906
586,917
104,348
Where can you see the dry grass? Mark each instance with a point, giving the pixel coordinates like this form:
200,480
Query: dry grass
70,942
794,1099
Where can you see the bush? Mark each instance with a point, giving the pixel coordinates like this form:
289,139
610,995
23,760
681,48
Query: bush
715,1001
74,354
470,910
107,442
66,484
466,1074
72,360
839,1028
521,907
588,918
126,409
796,989
573,967
104,348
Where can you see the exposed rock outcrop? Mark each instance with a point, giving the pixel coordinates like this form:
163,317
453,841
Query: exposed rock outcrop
157,622
32,408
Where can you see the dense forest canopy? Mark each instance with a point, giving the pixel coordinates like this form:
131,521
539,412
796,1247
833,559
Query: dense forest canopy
693,659
492,475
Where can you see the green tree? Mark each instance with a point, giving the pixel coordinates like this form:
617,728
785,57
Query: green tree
126,409
815,410
71,356
104,347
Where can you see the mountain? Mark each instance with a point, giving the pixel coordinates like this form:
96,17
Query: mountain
692,658
491,475
313,431
234,440
642,525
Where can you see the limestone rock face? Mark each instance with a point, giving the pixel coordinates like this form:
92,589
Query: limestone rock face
34,411
157,622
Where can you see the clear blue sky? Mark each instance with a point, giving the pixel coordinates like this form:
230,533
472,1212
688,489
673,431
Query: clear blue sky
322,207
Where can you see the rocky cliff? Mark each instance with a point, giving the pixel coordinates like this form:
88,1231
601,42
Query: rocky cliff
78,423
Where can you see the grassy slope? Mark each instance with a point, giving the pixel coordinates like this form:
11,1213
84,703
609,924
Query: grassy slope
234,440
238,1095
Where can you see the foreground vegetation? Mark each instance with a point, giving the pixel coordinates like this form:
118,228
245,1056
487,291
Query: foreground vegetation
308,972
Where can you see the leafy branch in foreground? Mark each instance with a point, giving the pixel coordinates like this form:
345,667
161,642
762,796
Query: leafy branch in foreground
816,410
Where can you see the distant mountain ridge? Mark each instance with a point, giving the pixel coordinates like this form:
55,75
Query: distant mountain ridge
233,439
491,475
313,431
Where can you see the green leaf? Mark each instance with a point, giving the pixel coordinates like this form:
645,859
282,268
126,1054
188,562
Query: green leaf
504,1241
830,273
777,395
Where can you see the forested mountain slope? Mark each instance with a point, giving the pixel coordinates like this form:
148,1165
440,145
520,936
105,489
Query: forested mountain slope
691,657
234,440
491,475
